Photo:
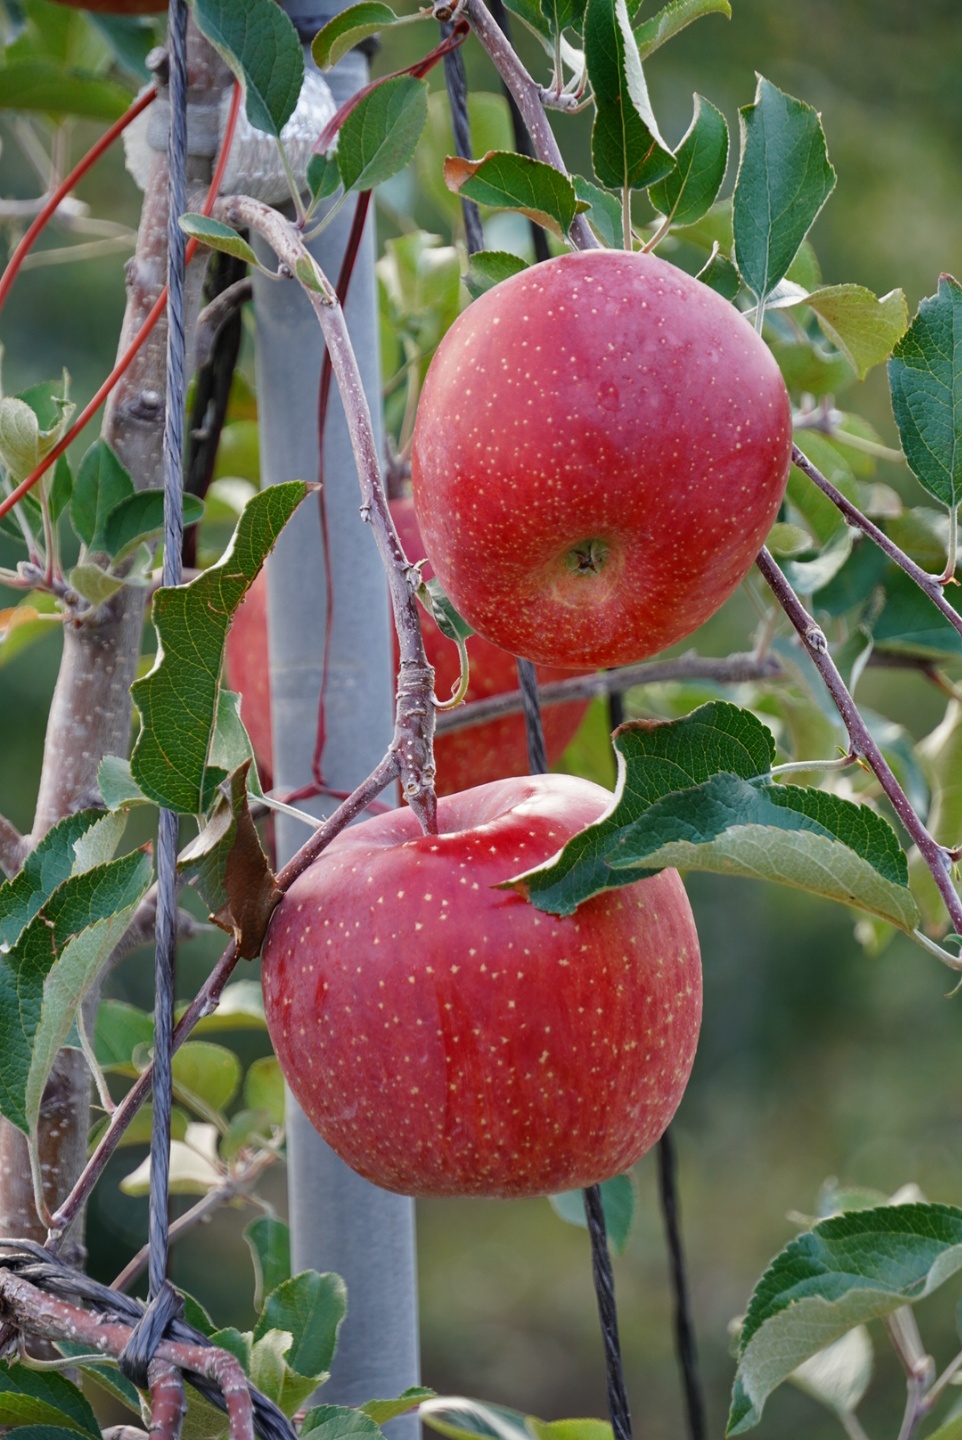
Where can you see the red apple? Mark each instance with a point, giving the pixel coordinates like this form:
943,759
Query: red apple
447,1038
600,449
464,757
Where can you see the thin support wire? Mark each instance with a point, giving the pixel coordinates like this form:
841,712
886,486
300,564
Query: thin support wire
457,83
684,1328
604,1279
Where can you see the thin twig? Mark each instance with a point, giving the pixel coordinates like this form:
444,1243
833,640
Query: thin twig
734,670
13,847
935,856
931,585
168,1403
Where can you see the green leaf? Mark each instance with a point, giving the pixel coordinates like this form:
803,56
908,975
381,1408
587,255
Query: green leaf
37,1397
348,29
925,375
72,846
910,625
106,1375
46,974
61,487
668,22
120,1030
240,1007
311,1307
102,484
720,275
260,44
864,327
42,85
531,13
462,1419
488,268
207,1077
626,146
569,1429
131,39
784,179
381,133
508,181
810,576
604,210
217,236
19,436
689,191
117,786
269,1241
618,1200
94,583
839,1375
696,794
339,1422
194,1165
381,1411
323,176
178,698
850,1269
264,1089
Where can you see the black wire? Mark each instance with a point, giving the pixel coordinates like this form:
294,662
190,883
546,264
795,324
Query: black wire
522,140
684,1328
607,1313
534,730
457,82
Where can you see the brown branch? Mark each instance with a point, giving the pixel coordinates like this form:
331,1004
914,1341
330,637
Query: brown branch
34,1312
168,1403
528,97
733,670
931,585
936,857
411,748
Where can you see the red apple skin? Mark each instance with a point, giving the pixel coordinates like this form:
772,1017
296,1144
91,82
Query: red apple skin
600,449
447,1038
465,757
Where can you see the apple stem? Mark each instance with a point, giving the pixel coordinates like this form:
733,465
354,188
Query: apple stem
930,584
604,1279
937,857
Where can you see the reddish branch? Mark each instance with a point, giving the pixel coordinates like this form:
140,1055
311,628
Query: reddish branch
936,856
49,1317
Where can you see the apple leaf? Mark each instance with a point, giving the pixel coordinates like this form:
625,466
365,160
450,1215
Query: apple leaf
75,844
864,327
141,517
381,133
697,794
45,86
487,268
178,699
311,1307
264,1089
120,1030
720,275
207,1077
807,577
839,1375
461,1419
618,1201
37,1397
852,1268
910,625
381,1411
925,376
531,13
218,236
194,1167
674,17
227,865
689,191
102,484
339,1422
626,147
260,45
240,1007
784,179
349,28
45,974
507,181
269,1241
604,210
323,176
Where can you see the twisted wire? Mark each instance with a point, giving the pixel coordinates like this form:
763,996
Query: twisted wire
604,1279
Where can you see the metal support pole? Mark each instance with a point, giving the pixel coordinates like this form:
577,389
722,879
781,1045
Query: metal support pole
338,1221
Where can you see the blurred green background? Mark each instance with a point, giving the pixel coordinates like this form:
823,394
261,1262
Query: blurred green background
816,1060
